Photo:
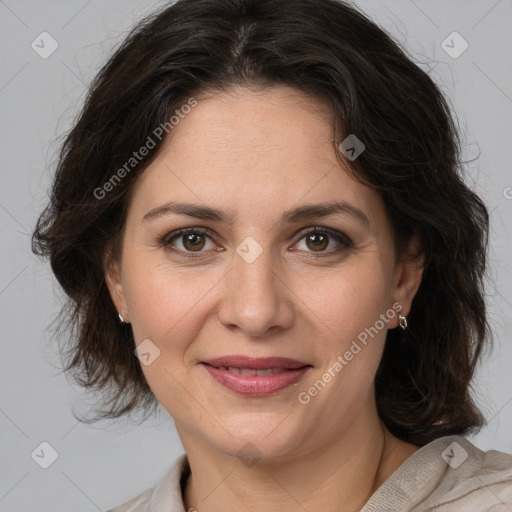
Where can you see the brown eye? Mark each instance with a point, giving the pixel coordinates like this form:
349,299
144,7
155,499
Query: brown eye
188,241
193,241
317,240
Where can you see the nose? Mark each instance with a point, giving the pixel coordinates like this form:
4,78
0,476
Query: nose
256,298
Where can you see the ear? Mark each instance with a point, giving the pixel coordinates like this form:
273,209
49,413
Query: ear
408,275
116,289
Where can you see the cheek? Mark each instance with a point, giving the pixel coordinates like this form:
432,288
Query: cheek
165,309
150,303
347,300
165,303
353,333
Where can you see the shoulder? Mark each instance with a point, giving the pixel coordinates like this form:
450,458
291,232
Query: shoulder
448,475
138,504
470,479
165,495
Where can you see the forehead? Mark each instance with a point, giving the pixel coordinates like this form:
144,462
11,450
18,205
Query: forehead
252,151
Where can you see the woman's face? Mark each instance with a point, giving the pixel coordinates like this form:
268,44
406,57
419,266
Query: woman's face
256,284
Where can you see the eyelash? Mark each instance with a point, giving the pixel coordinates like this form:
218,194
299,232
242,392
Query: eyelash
339,237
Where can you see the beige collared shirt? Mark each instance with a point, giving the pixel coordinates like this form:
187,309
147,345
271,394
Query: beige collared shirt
449,474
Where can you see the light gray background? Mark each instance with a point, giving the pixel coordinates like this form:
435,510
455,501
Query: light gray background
103,465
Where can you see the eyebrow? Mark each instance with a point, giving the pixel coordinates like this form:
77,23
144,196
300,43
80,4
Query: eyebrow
303,212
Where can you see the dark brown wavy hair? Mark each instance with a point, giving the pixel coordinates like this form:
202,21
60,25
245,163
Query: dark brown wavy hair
330,51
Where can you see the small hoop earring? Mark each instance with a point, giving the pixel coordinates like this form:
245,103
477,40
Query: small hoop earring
402,321
121,319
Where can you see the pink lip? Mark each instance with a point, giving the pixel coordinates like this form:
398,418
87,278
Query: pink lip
256,385
257,363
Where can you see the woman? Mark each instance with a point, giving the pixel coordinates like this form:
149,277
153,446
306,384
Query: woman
261,223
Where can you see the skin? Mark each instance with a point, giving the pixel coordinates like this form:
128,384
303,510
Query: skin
257,154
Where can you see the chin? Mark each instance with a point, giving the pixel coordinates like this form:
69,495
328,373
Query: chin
253,439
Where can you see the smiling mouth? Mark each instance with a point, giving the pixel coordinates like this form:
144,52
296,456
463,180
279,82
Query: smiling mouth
256,382
251,371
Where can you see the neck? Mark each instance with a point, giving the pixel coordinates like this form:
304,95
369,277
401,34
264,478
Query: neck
341,475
